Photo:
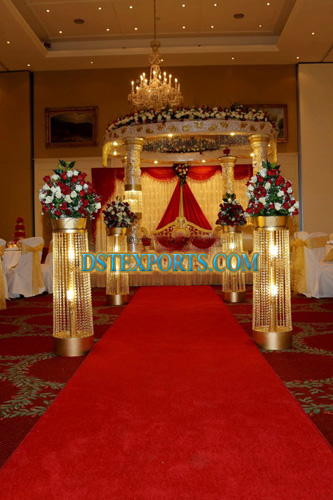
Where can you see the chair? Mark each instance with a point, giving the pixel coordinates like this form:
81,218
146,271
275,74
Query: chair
318,243
27,278
47,270
310,276
331,236
3,279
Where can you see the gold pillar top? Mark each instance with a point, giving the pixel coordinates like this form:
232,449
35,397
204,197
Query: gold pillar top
260,138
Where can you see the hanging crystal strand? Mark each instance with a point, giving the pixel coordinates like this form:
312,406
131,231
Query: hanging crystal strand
117,281
233,282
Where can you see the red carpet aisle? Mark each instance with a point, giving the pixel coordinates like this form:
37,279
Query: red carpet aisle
175,402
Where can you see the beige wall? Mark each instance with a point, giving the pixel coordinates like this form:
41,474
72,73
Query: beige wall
15,153
316,137
212,85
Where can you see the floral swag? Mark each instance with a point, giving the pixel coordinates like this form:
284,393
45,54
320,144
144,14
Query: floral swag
234,112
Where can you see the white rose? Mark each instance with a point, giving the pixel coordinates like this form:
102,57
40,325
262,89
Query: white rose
296,204
49,199
250,187
68,198
76,172
78,187
73,194
41,195
85,186
58,195
53,189
70,173
280,193
45,187
55,177
98,205
263,172
290,190
267,186
277,206
262,200
253,179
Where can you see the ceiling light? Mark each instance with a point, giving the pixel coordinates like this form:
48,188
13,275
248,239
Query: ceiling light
8,42
313,33
60,32
115,143
268,4
28,65
114,153
131,6
170,135
162,60
251,154
212,27
136,29
47,10
99,8
91,62
107,29
232,133
203,161
297,57
232,58
260,26
215,4
184,27
155,161
183,5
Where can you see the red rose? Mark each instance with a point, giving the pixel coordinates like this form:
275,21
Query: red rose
288,184
85,202
47,178
260,179
296,211
279,180
63,176
75,179
57,213
83,193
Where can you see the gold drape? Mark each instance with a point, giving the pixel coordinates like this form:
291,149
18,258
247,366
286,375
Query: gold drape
318,242
298,274
2,288
37,275
329,256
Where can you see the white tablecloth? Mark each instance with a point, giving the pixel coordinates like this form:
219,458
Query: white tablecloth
11,257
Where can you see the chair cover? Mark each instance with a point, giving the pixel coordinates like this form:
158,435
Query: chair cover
309,276
3,279
318,243
27,278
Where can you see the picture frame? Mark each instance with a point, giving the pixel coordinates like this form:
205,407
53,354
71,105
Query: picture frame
279,112
71,127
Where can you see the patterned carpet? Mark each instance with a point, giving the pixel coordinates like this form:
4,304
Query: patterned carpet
31,376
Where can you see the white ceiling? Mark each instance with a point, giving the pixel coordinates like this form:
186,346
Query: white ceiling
278,33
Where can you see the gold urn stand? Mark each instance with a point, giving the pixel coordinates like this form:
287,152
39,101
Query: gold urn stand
117,283
271,321
233,283
73,332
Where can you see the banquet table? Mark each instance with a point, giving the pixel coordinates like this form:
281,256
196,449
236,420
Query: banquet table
11,257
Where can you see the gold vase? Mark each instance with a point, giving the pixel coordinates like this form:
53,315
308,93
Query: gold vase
73,331
117,282
271,319
233,282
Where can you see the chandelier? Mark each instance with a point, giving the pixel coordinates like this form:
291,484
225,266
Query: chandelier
159,91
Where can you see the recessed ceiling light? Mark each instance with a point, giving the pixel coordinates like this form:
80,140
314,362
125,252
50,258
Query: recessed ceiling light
212,27
99,8
215,4
268,4
239,16
260,26
297,57
184,27
232,58
60,32
203,161
131,6
91,62
28,65
107,29
136,29
155,161
313,33
162,60
47,10
183,5
8,42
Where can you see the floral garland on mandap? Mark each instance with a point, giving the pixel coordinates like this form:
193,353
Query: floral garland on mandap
234,112
118,214
67,194
181,170
270,193
231,212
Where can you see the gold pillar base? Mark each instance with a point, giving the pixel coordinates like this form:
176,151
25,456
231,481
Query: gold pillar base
117,300
273,341
72,347
233,297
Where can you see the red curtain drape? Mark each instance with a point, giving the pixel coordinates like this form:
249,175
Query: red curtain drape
172,210
192,210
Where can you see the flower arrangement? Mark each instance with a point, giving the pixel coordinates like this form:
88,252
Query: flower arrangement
231,212
234,112
181,170
118,214
67,194
270,193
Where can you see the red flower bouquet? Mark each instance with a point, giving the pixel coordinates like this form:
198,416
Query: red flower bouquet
118,214
231,212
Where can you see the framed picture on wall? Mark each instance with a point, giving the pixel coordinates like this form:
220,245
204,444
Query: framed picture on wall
71,127
278,113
